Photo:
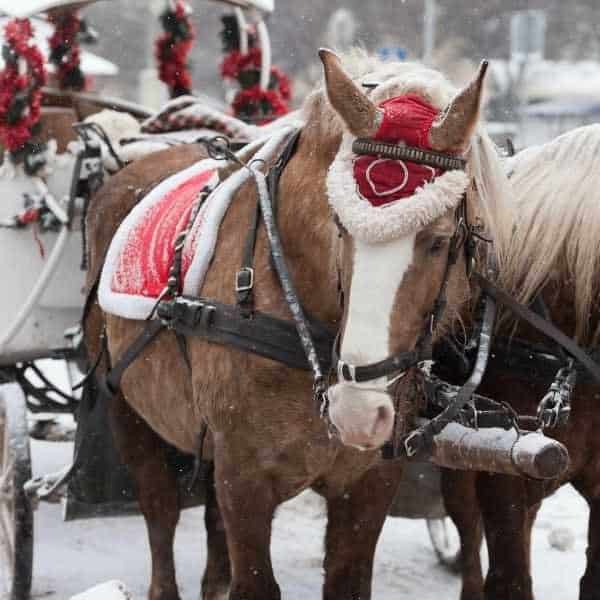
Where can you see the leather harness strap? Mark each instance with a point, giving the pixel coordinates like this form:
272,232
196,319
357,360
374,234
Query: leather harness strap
539,323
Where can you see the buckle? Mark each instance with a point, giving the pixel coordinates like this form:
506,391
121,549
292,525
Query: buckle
346,372
412,443
244,280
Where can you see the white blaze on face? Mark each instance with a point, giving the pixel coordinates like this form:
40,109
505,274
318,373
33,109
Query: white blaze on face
377,274
364,416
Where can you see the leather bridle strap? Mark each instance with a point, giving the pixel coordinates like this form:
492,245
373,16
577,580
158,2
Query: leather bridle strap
398,363
539,323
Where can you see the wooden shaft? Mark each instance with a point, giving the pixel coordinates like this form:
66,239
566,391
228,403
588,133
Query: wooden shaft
498,451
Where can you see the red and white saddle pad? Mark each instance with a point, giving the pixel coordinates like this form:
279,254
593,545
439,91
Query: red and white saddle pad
140,255
139,258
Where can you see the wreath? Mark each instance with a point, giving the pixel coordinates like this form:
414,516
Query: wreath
173,48
252,103
65,53
259,106
20,89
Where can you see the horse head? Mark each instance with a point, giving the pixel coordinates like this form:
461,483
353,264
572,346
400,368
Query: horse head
403,225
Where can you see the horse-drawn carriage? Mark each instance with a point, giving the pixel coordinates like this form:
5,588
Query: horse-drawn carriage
46,298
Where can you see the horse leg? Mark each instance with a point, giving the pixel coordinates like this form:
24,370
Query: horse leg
507,522
355,518
589,586
460,499
217,576
248,499
144,453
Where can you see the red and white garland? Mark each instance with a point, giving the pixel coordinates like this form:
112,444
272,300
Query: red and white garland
65,53
252,103
21,81
173,48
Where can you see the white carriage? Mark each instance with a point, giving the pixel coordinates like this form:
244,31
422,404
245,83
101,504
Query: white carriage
42,269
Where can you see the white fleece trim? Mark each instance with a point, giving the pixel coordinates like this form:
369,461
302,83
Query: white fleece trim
205,229
372,224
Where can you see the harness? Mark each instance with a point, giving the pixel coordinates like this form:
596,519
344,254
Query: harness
309,345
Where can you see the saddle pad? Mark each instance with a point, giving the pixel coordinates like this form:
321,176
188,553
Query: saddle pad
139,258
140,255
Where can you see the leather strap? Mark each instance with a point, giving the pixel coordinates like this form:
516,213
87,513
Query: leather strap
112,382
543,326
263,334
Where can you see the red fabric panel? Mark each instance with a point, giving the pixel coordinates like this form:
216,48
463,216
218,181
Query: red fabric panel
147,254
381,181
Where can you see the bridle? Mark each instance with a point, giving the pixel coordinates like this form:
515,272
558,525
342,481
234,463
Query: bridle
396,364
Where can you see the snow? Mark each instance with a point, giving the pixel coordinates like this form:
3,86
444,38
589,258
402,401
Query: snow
75,556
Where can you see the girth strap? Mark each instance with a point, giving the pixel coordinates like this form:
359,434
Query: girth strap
543,326
111,384
263,334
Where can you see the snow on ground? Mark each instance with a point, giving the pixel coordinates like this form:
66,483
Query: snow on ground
72,557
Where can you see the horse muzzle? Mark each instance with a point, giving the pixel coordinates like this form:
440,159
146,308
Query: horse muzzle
363,417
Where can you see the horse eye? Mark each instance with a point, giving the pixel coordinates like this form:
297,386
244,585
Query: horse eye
437,245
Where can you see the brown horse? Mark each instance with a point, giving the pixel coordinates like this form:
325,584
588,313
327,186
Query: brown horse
545,242
268,440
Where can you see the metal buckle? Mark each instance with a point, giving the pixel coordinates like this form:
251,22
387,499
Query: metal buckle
244,280
410,451
351,371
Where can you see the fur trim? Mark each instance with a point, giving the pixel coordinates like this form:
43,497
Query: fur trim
373,224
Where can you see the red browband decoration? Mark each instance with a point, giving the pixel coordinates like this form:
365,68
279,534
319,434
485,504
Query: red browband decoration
382,181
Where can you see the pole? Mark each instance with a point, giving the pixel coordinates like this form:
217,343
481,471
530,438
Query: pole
429,19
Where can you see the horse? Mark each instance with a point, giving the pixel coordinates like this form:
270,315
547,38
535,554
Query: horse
543,224
267,439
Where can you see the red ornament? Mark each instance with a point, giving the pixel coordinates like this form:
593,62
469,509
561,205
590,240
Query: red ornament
65,53
173,48
20,95
259,106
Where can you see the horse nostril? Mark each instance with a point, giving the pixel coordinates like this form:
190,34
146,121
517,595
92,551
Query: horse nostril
381,420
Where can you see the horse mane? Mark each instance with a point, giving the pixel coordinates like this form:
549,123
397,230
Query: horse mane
558,218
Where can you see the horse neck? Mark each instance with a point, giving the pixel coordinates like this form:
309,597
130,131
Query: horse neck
305,224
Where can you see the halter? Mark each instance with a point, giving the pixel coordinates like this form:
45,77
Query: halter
396,364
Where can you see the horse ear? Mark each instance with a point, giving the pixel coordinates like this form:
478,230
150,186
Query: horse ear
453,132
357,111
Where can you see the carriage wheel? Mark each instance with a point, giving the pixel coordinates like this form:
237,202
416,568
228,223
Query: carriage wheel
445,542
16,516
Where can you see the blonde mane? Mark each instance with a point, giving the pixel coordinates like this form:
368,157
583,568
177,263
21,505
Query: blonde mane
558,219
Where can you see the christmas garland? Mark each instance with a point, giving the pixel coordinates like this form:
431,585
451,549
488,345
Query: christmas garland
20,92
252,103
173,48
65,53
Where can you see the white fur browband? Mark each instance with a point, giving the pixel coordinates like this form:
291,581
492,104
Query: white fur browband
372,224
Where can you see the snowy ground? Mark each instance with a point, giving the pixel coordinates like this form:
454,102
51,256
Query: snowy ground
72,557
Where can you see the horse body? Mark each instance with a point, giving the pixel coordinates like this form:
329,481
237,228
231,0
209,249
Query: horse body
554,249
268,440
544,242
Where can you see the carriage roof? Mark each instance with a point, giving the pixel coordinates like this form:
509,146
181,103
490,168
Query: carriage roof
92,64
267,6
28,8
